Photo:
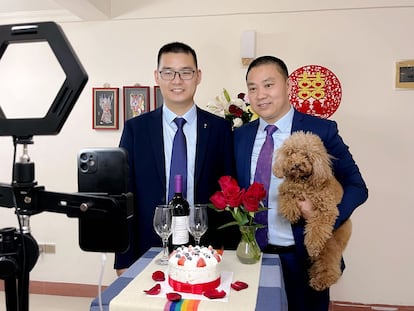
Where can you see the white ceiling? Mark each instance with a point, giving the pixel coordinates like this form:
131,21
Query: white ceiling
61,10
18,11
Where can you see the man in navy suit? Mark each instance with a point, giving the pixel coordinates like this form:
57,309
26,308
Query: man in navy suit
148,139
268,90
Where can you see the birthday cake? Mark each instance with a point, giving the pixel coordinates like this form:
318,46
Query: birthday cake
194,269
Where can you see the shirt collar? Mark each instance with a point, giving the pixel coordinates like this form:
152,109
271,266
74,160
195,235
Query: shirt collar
284,124
189,116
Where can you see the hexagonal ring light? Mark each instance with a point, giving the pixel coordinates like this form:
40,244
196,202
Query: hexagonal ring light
76,78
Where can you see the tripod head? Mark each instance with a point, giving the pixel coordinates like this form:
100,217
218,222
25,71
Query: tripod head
23,193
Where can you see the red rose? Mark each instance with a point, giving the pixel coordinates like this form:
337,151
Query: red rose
231,191
241,96
233,197
258,190
218,200
226,182
252,197
236,111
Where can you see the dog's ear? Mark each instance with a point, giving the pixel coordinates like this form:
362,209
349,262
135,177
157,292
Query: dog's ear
278,166
322,169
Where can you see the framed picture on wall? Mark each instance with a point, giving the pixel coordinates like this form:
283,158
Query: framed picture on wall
136,101
105,107
404,78
158,99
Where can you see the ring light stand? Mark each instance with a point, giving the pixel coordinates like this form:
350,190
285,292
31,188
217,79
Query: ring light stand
19,251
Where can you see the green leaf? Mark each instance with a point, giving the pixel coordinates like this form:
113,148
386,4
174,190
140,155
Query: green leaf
211,205
232,223
261,209
226,95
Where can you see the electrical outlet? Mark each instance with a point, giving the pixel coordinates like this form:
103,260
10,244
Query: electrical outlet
47,248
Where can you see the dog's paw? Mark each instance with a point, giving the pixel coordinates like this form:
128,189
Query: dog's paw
318,285
323,273
323,281
289,211
314,246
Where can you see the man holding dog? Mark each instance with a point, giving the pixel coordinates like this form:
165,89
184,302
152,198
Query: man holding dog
268,91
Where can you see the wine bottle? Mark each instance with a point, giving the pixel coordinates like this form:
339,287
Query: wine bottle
181,210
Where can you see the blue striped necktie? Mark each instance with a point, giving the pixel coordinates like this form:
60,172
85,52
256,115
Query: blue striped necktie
178,159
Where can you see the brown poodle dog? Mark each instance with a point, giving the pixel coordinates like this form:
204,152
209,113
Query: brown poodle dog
305,165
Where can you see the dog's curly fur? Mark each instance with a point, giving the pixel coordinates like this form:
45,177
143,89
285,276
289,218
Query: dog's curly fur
305,165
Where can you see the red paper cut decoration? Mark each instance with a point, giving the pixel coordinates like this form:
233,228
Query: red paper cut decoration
315,90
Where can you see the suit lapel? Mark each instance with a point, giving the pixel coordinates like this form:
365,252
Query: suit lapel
157,145
247,143
203,133
297,121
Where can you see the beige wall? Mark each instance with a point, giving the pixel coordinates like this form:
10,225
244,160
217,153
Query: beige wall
360,45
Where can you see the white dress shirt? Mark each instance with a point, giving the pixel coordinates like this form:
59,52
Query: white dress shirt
279,228
190,132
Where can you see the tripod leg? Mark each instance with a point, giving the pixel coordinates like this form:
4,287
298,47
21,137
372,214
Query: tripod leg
18,255
31,253
11,294
23,290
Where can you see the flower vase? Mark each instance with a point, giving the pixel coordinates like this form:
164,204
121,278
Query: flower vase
248,251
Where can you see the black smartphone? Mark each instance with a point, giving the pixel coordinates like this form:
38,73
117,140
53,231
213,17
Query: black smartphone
103,172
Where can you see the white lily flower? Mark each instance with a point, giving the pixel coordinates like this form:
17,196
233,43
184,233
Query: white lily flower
221,104
237,122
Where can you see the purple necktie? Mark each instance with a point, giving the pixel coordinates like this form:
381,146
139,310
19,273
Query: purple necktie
178,159
262,175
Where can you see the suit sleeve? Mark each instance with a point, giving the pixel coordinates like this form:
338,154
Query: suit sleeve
347,173
125,259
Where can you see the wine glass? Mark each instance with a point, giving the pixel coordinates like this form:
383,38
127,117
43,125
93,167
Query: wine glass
197,221
162,223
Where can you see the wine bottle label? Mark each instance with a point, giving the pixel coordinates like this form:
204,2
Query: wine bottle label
180,232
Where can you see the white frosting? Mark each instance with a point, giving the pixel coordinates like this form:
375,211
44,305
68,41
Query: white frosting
186,271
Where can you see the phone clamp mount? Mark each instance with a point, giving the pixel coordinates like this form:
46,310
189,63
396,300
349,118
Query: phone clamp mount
19,251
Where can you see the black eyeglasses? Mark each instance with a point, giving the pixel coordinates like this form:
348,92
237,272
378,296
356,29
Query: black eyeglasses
183,74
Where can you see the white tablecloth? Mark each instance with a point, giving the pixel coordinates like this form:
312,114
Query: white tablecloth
265,291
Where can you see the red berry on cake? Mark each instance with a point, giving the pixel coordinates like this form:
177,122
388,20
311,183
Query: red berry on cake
220,251
201,262
181,261
218,257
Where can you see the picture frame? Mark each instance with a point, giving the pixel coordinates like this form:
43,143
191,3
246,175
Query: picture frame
404,74
105,108
136,101
158,98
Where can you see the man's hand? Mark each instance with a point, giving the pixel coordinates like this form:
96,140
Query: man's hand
306,207
120,271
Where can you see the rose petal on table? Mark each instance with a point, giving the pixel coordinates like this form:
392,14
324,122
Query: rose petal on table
239,285
173,296
158,276
214,294
155,290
